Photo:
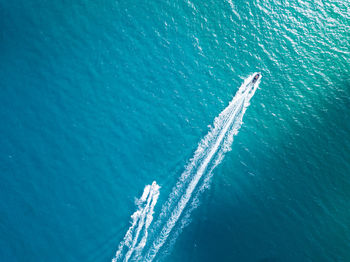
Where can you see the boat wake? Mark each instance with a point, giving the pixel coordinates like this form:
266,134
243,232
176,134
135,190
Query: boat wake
141,220
185,194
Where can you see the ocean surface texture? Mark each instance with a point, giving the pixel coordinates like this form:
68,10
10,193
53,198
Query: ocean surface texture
109,143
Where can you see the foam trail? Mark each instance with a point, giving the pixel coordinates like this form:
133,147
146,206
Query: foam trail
141,219
226,125
226,146
200,153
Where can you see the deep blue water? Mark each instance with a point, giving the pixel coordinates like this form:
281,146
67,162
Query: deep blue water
100,98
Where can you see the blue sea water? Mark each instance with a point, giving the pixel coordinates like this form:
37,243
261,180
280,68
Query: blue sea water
100,98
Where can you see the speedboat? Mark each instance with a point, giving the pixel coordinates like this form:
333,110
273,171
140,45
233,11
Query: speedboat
256,77
252,84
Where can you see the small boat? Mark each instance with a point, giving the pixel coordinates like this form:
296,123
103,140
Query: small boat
256,77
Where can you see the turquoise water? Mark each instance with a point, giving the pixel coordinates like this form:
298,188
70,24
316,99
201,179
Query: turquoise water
100,99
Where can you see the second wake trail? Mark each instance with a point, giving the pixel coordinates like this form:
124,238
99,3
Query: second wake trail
195,178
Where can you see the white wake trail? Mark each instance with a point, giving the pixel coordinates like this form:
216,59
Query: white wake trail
141,220
186,197
225,147
200,153
226,125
